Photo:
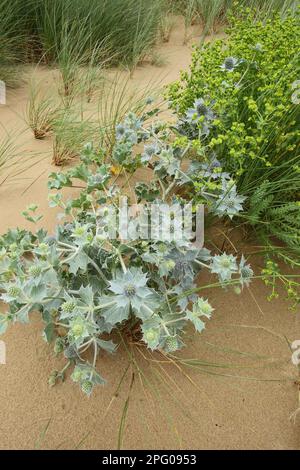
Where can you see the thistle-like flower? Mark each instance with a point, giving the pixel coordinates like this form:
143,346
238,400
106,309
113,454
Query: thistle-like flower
201,308
258,47
213,169
82,234
13,293
68,308
151,337
149,100
35,270
79,330
229,204
120,131
224,265
200,109
171,344
87,387
131,121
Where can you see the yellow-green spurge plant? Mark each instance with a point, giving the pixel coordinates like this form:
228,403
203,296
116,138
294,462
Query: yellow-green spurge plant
240,105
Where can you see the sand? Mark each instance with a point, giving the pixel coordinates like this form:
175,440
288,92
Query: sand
246,404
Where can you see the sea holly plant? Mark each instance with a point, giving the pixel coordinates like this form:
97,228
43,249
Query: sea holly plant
95,277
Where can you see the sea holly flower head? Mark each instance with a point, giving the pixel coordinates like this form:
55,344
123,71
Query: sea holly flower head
68,308
132,121
130,292
43,250
230,63
125,135
130,283
224,265
35,270
246,272
13,293
200,308
204,308
120,131
151,337
98,180
87,377
186,262
171,344
212,170
150,151
258,47
79,330
181,290
149,100
197,120
87,387
228,202
82,234
41,272
200,110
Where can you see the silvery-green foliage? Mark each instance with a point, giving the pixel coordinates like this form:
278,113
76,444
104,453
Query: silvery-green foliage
245,271
87,283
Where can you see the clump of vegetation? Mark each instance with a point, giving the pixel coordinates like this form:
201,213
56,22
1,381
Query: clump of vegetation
97,279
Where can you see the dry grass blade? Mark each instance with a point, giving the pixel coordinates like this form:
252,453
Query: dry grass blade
124,415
